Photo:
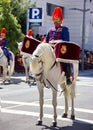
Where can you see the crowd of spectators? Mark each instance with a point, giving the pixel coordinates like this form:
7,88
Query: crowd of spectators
88,59
40,37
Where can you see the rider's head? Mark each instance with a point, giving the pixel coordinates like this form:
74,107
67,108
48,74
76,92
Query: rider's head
3,32
57,16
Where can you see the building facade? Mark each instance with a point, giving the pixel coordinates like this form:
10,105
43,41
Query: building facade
73,19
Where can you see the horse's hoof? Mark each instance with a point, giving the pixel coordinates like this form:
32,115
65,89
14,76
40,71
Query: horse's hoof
39,123
73,117
64,115
54,124
9,81
3,83
26,81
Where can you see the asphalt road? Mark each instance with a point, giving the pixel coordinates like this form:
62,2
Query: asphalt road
20,106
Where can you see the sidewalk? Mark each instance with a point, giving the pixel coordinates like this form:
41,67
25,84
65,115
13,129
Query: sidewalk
88,72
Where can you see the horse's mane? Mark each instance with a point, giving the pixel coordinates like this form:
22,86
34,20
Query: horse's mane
44,50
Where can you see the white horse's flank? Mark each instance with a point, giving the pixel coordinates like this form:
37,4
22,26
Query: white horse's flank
7,69
47,71
26,62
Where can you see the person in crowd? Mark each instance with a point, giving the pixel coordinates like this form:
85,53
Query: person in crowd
38,37
3,44
59,33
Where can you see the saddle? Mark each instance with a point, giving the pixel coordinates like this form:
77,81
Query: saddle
29,44
67,52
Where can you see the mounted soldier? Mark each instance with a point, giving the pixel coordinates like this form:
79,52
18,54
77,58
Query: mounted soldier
3,44
59,33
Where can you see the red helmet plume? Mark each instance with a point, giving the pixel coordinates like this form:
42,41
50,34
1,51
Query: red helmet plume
57,13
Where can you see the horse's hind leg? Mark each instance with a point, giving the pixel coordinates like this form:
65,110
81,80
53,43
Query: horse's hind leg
54,102
66,105
72,94
27,74
72,108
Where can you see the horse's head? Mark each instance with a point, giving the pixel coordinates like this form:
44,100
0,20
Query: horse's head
36,66
42,59
19,45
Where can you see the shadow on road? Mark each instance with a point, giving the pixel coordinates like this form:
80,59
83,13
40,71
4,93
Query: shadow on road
76,125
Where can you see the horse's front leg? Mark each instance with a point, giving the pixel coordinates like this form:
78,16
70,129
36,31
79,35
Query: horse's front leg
54,102
72,100
27,74
4,74
41,101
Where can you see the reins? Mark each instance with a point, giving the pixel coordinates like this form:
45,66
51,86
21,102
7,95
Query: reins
53,64
55,88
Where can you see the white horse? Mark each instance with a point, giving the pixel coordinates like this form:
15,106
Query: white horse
46,69
7,69
26,62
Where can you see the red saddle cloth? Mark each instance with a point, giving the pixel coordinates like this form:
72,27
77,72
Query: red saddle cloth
67,50
29,44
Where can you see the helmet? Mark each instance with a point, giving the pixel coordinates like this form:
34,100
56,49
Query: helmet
57,13
3,30
30,33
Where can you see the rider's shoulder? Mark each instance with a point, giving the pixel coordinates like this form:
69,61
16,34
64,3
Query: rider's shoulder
51,29
65,27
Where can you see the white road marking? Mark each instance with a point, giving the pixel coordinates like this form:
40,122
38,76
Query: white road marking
85,84
45,105
36,114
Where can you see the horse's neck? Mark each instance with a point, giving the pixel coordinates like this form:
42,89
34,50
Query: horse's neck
1,52
48,61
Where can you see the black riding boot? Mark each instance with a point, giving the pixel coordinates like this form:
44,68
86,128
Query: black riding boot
8,59
67,69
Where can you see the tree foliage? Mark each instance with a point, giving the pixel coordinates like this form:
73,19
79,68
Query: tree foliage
19,10
10,22
13,18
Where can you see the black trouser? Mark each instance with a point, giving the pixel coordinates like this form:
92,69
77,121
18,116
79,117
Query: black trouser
8,58
67,69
